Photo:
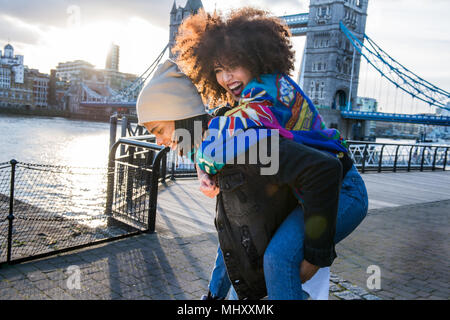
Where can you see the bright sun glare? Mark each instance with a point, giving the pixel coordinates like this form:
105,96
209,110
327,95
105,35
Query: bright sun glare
140,42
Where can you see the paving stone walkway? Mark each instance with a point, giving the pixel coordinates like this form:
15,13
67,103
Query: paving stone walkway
410,247
149,266
408,244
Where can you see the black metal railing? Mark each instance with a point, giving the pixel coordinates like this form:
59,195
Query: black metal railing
371,156
47,209
177,167
132,189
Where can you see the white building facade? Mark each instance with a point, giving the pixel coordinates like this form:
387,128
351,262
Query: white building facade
15,88
365,104
73,70
14,62
21,87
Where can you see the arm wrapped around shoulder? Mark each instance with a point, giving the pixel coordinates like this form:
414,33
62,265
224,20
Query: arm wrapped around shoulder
316,176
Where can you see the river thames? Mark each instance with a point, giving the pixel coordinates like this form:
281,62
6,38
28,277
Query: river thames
54,141
71,190
81,147
63,142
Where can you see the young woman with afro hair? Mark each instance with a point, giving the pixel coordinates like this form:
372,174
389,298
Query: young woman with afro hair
243,60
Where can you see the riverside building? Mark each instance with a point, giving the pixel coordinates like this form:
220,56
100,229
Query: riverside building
16,90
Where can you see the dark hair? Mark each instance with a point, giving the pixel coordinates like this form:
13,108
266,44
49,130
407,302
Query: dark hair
196,139
248,37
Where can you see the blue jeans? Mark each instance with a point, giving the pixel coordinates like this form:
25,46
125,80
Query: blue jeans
284,253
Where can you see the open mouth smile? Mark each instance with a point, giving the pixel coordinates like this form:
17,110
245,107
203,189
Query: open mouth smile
236,88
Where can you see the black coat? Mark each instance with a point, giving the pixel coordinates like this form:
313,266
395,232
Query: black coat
250,207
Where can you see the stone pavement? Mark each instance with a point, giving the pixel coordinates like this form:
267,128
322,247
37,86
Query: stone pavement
409,245
148,266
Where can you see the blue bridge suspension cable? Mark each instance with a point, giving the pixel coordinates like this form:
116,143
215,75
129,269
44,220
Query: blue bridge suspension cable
396,73
136,84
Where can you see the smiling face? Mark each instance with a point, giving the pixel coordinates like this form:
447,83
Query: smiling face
233,80
164,132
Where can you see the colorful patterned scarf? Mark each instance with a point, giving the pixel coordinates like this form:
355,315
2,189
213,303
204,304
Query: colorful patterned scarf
275,102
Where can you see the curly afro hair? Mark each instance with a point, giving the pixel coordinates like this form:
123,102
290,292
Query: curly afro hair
247,37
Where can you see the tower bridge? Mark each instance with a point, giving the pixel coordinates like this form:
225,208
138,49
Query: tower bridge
336,45
297,23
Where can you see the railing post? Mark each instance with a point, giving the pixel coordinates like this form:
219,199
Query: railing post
395,160
11,210
423,158
172,174
111,171
445,159
140,130
172,168
123,133
434,158
130,177
364,159
381,158
148,163
112,130
156,167
410,157
164,168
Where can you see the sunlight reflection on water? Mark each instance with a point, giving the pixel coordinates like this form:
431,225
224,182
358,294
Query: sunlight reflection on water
74,190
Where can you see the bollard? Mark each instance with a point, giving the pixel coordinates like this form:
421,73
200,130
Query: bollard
11,210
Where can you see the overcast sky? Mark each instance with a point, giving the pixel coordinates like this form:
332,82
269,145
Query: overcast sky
414,32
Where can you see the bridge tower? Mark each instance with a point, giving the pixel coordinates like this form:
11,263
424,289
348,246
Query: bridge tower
329,60
177,15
